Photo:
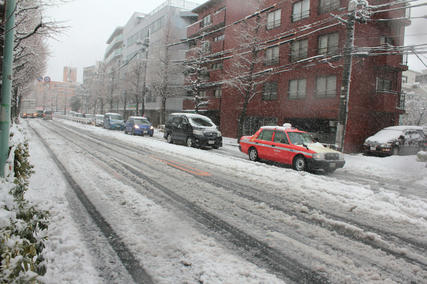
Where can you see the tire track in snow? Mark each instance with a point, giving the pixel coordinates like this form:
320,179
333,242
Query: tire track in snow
272,259
331,222
129,261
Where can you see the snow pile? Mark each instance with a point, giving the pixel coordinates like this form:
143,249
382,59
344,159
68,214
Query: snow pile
422,157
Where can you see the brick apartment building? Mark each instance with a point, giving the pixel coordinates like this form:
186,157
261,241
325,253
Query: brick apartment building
301,68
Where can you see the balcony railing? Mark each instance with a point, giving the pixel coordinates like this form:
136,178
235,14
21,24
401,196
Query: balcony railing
217,19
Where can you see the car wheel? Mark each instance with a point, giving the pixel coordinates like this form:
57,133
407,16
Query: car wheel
189,142
253,154
215,147
169,138
299,163
395,151
126,132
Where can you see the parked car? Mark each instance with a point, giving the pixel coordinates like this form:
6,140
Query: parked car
139,125
288,145
99,120
194,130
113,121
47,115
89,118
38,113
395,140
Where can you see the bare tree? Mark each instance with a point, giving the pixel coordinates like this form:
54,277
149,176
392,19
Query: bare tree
167,78
134,81
196,71
415,106
246,58
30,50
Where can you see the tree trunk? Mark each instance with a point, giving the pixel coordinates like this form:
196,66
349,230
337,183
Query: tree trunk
163,111
242,118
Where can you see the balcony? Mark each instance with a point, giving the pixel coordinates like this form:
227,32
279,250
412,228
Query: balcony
217,20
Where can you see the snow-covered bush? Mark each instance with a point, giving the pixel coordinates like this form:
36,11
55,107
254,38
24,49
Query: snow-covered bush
23,228
422,157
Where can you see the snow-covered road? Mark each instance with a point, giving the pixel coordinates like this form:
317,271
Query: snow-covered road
211,216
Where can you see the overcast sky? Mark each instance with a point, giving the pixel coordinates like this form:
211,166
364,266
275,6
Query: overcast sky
91,22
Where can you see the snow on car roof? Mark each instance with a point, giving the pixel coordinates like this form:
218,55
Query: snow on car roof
138,117
282,128
404,127
189,114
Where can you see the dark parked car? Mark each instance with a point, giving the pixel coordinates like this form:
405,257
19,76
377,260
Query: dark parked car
139,125
395,140
194,130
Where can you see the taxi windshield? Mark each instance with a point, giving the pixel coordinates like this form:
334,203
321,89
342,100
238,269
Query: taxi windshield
300,138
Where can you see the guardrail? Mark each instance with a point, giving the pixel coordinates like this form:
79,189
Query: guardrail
79,119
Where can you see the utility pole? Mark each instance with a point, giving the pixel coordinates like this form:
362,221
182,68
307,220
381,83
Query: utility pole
347,69
146,45
346,82
6,84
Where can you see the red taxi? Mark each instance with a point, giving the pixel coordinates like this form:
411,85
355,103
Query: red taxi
288,145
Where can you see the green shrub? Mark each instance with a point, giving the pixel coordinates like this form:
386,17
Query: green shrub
22,241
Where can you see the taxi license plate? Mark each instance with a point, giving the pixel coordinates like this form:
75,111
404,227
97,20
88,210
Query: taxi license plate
332,165
210,142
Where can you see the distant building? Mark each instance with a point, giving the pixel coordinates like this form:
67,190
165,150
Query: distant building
70,75
146,38
53,95
421,77
414,88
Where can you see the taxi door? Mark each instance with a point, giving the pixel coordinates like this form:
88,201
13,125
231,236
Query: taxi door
282,150
263,144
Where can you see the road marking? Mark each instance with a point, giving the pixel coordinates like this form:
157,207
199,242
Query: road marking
183,167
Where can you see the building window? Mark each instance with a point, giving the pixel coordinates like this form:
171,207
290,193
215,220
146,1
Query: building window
297,88
272,55
270,91
328,44
206,21
219,38
404,79
300,10
192,43
202,94
299,50
274,19
217,66
383,85
326,86
328,5
218,93
385,40
158,24
206,46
